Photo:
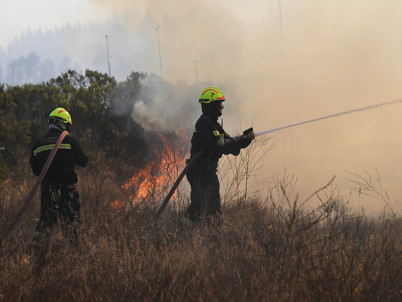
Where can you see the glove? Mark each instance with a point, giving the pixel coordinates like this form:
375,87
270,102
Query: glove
249,133
244,140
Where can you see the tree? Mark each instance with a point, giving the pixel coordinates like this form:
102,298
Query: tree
14,135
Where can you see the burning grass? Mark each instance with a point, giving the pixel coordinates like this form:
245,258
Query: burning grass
277,249
155,179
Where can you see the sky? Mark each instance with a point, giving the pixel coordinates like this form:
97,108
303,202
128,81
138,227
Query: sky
278,62
19,16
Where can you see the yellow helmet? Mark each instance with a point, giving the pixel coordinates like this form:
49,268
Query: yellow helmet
211,94
61,115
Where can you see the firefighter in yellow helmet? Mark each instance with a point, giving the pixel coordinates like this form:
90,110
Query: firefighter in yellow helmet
212,141
59,197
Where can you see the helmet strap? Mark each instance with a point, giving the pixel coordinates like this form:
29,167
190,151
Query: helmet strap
58,125
211,109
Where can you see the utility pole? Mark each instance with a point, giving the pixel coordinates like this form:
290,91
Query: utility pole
196,71
280,24
159,47
107,52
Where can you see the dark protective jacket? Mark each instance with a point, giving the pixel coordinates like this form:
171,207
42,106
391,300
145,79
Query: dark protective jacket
205,138
69,154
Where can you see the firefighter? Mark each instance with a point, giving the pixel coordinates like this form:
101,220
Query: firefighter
59,196
212,141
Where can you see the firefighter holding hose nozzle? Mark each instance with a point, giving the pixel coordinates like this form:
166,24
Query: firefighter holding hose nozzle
210,141
59,197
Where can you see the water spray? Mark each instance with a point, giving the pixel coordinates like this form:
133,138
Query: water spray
259,133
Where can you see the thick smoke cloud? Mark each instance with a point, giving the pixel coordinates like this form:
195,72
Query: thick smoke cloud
283,64
166,108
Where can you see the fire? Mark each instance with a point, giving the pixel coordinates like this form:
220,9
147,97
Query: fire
117,204
154,181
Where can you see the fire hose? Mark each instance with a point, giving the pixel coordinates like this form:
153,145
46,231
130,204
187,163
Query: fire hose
176,183
35,187
259,133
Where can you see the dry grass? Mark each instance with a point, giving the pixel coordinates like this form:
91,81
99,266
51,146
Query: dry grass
272,250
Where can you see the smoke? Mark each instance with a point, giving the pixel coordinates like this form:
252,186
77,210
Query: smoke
279,65
164,107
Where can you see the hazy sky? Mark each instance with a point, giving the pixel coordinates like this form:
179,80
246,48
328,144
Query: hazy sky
278,62
18,16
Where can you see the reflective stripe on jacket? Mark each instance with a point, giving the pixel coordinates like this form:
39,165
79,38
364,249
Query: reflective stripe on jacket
205,138
69,154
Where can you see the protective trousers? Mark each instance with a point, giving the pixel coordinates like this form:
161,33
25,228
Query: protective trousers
58,201
205,197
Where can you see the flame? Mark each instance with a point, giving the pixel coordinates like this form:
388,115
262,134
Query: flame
117,204
153,181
